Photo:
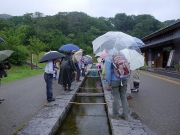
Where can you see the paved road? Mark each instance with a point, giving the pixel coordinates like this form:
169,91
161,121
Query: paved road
158,103
23,99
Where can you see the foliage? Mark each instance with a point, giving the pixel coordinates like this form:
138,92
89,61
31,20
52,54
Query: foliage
176,66
36,32
20,72
19,55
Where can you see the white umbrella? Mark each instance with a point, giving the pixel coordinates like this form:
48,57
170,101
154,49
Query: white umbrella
135,59
77,56
5,54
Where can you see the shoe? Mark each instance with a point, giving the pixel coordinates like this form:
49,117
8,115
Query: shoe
65,88
124,117
134,90
129,97
114,116
52,99
1,99
69,89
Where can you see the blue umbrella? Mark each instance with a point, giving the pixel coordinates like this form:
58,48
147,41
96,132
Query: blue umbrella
1,40
69,47
138,41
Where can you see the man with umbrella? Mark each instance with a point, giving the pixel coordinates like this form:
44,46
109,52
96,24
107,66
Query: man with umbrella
50,57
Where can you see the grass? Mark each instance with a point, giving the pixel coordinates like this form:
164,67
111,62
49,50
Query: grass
24,71
20,72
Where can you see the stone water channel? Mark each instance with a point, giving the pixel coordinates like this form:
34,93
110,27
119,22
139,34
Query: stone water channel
88,114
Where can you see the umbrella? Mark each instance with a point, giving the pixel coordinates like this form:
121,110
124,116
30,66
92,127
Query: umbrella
5,54
69,47
135,59
88,62
88,57
114,39
1,40
138,41
77,56
50,56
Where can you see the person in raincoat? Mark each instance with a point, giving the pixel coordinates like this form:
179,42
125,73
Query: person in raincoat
67,71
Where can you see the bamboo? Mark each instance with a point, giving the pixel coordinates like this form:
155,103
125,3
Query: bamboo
93,76
87,103
88,88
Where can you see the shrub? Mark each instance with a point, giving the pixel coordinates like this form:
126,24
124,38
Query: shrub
19,55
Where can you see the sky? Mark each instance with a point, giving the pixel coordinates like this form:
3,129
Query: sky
162,10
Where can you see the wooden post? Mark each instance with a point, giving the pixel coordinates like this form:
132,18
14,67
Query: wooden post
31,60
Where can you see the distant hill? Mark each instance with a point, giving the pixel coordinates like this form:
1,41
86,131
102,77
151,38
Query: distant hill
5,16
168,22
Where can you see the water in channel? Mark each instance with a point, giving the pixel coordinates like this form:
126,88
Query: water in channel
86,118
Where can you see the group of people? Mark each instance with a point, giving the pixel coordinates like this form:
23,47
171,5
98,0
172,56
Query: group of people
69,71
118,86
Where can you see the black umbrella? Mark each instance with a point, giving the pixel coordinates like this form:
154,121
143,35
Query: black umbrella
1,40
50,56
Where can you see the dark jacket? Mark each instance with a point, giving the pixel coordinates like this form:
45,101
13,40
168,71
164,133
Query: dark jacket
2,67
67,69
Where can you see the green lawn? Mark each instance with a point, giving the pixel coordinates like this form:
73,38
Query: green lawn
20,72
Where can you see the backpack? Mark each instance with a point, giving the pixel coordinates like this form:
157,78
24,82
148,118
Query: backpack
121,66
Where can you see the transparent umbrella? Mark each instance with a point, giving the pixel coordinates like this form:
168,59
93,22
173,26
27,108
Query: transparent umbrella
114,40
5,54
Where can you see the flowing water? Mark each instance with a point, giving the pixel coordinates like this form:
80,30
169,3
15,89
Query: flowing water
89,115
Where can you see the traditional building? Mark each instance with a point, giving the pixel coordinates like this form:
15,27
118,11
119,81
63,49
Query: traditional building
162,48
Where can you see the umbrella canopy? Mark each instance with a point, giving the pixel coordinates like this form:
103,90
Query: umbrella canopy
88,62
88,57
1,40
69,47
5,54
138,41
50,56
135,59
77,56
114,39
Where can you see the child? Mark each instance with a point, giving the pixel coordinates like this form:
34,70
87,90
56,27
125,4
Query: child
55,69
136,81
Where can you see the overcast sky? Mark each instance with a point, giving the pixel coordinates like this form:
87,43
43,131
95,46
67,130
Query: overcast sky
162,10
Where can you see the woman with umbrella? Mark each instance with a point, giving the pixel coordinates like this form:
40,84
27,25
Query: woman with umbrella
66,72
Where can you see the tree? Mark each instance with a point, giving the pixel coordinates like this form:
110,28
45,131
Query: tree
36,46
